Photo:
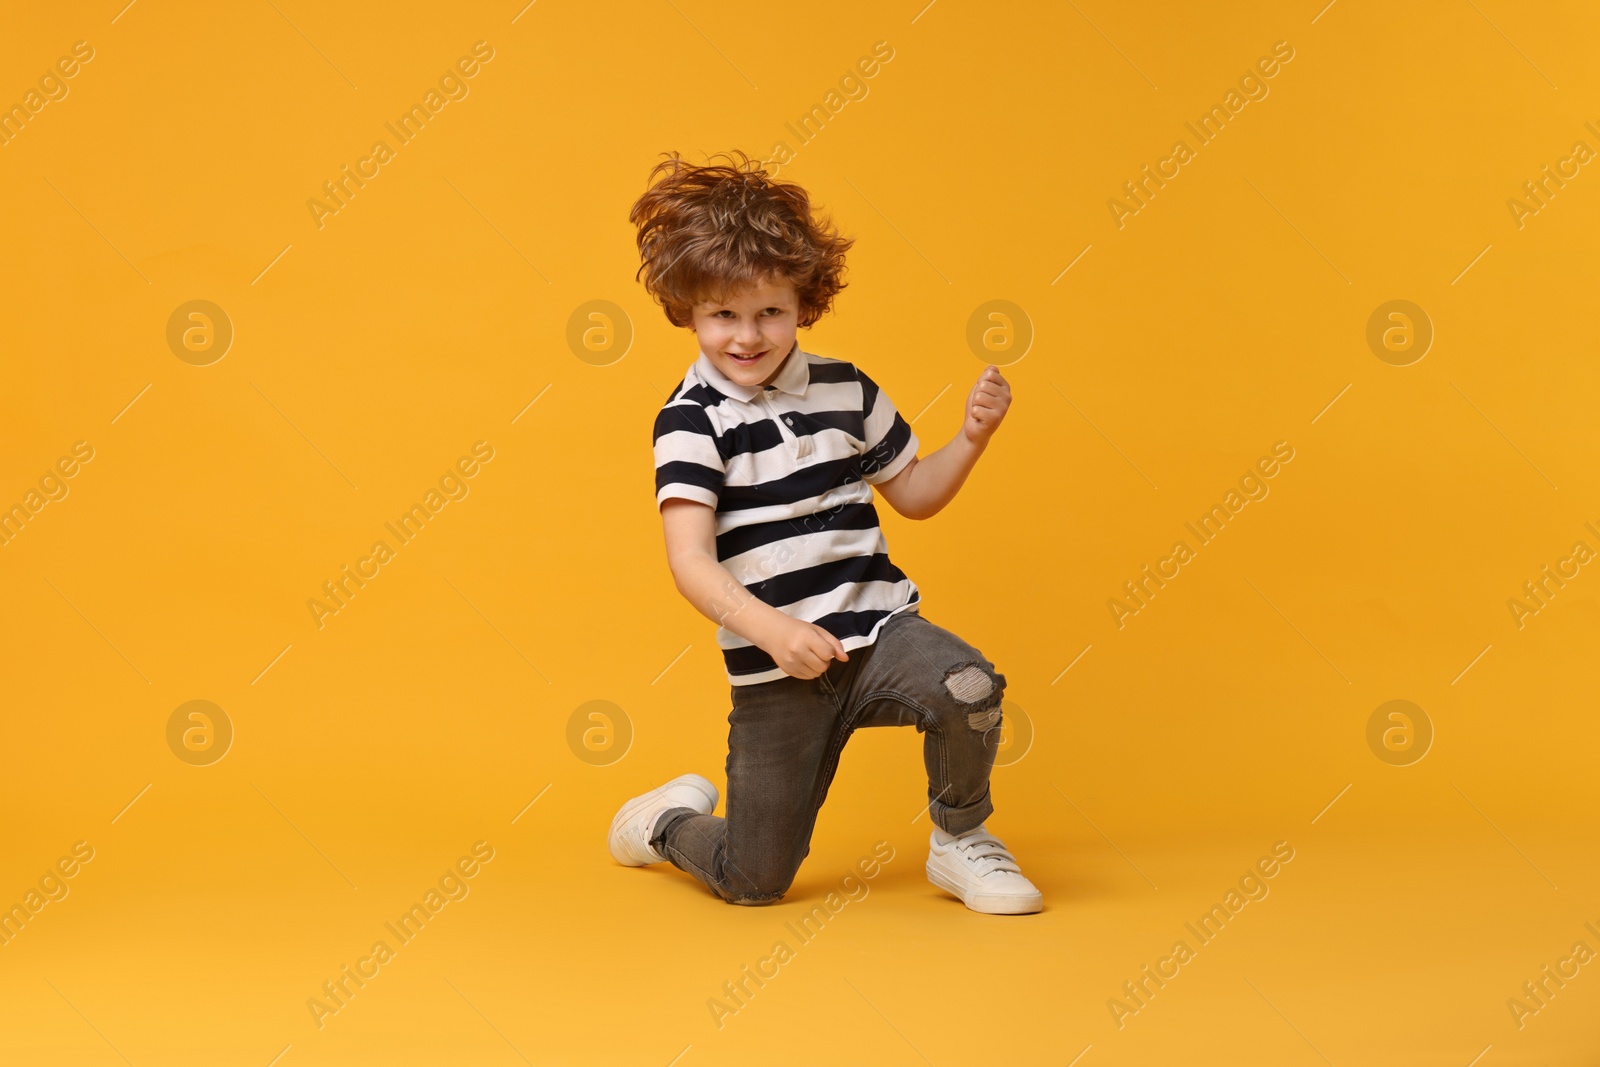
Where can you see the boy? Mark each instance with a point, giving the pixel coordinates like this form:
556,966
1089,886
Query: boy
766,457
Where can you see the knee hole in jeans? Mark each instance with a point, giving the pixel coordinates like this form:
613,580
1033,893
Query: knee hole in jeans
970,684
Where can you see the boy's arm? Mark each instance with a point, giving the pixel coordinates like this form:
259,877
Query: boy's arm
924,486
690,529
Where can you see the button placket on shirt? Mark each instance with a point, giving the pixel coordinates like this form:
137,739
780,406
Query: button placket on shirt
799,446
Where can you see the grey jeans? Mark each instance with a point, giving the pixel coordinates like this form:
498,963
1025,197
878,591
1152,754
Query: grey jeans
784,741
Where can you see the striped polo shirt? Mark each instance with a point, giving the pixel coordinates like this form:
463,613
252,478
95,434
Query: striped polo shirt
788,468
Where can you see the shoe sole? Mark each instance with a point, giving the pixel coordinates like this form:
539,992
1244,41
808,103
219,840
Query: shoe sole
701,785
1023,904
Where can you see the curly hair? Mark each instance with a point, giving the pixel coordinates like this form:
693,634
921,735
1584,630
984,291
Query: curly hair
706,231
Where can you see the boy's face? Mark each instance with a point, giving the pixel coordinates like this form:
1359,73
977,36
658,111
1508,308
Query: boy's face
758,322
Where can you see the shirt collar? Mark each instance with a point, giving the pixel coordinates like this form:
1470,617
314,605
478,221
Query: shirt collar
792,378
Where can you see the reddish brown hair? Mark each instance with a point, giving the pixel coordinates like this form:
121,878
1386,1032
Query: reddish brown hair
705,231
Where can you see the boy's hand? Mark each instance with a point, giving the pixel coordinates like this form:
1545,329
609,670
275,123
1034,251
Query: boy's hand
986,406
804,649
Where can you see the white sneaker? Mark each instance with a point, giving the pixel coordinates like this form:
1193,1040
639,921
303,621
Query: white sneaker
976,867
634,823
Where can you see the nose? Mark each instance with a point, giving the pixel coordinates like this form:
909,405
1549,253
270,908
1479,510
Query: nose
747,333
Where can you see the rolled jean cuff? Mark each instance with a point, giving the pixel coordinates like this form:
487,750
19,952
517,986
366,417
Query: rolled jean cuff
960,820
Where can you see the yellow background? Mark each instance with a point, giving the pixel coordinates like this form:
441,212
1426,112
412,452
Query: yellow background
369,354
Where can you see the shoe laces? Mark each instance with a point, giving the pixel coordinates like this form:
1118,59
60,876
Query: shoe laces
984,853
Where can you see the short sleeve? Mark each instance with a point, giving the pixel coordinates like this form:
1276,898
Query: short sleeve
890,443
688,464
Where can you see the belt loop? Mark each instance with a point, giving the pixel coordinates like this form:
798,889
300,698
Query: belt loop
827,685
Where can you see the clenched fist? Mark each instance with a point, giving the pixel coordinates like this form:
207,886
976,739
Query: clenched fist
986,406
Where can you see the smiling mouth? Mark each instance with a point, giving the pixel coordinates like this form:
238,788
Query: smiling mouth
745,361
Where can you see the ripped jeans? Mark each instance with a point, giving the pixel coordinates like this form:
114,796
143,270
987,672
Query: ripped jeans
784,741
